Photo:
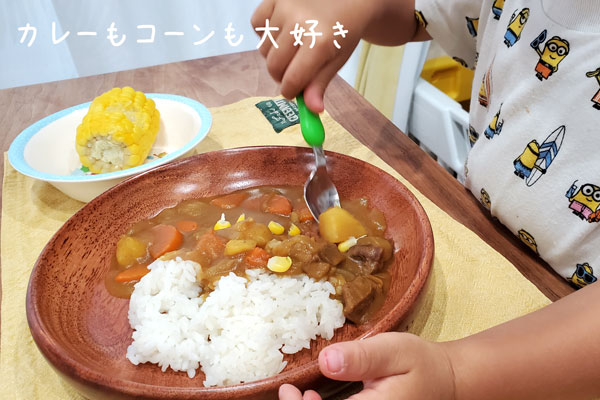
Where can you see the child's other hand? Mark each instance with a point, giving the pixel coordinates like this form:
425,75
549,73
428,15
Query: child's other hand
301,67
391,365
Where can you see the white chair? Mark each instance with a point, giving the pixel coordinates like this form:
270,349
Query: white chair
438,122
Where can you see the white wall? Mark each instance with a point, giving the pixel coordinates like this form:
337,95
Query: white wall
90,55
79,55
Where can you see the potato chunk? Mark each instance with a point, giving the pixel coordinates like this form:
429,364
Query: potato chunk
337,225
129,249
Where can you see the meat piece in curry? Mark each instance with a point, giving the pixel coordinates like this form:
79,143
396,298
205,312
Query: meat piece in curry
265,227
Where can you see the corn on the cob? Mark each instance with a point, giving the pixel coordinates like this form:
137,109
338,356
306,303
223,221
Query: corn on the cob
118,131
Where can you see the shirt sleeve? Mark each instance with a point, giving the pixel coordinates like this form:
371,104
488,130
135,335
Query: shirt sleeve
454,25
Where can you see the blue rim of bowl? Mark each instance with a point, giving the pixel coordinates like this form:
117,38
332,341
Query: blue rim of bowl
16,150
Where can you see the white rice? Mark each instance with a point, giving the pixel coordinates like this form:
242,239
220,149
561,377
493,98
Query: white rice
238,334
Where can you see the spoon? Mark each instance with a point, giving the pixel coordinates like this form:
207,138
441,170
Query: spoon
320,193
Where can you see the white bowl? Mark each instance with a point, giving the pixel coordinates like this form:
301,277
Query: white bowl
46,149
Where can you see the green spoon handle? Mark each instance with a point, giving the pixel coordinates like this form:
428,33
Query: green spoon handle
310,124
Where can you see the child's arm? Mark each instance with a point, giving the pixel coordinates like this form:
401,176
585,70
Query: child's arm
387,22
553,353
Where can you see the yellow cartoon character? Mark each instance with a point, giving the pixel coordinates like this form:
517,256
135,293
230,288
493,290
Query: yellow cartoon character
525,163
485,199
583,275
528,240
420,18
495,126
596,98
497,7
536,159
584,202
555,50
515,27
472,25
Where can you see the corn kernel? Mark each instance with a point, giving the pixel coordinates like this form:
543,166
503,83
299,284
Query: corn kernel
346,244
222,223
241,218
294,230
275,228
279,264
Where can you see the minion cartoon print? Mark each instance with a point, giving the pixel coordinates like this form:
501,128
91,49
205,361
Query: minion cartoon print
486,88
528,240
584,201
485,199
583,275
596,98
472,25
473,135
420,18
555,50
495,127
515,27
537,158
497,7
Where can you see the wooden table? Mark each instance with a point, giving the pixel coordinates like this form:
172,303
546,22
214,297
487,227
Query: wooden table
225,79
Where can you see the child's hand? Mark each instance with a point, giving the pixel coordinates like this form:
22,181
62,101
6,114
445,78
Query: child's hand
391,365
301,67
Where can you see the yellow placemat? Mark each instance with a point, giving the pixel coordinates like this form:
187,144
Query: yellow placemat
472,286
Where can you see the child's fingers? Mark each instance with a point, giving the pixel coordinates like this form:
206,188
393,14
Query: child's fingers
262,12
279,58
383,355
313,97
315,91
303,68
289,392
311,395
258,20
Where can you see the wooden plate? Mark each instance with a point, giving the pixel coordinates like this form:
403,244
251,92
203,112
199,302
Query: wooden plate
83,331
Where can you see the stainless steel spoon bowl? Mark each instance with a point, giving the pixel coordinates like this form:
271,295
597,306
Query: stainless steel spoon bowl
320,193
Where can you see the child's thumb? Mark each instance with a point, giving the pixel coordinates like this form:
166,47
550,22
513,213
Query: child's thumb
382,355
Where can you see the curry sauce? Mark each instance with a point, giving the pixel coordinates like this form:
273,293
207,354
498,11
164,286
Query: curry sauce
263,227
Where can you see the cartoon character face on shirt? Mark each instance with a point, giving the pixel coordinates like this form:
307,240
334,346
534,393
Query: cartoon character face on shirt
555,50
528,240
583,275
515,27
585,201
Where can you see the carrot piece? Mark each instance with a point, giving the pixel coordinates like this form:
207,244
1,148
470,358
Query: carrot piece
278,204
166,238
304,213
229,200
133,273
257,257
255,203
185,226
211,245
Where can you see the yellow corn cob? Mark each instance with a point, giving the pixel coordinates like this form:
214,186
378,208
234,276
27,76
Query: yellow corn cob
118,131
